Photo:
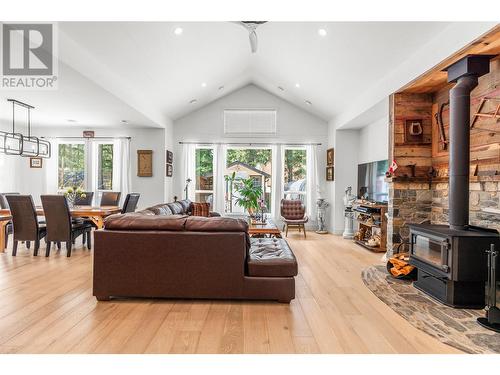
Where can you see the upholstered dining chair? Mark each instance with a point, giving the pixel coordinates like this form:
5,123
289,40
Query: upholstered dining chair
130,203
60,228
85,199
110,198
293,214
5,205
25,222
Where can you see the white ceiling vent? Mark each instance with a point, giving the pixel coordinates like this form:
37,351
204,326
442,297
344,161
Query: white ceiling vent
250,122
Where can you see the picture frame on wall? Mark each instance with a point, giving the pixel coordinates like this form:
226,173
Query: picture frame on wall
329,173
330,157
36,162
145,163
169,170
169,157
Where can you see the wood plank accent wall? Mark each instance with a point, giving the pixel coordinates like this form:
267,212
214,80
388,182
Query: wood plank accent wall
485,144
411,106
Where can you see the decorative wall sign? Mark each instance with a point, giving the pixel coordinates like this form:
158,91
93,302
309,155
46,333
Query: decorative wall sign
145,163
330,157
36,162
329,173
169,170
88,134
169,157
414,131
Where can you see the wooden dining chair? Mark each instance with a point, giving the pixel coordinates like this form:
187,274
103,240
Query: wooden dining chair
130,203
110,198
85,199
5,205
25,222
60,228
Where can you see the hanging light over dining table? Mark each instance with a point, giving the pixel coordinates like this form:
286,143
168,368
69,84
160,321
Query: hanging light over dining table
26,145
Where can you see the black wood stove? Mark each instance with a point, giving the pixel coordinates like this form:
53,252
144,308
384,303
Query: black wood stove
452,260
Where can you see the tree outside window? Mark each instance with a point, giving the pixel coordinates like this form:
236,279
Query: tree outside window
71,166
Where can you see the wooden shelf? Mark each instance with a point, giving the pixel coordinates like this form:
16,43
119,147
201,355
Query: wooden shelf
376,249
369,225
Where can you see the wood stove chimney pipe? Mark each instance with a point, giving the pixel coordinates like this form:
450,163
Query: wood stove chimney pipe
465,73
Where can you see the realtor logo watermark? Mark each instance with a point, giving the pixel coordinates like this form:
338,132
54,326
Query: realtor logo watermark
29,56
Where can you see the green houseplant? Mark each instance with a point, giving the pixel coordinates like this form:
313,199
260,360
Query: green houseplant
249,195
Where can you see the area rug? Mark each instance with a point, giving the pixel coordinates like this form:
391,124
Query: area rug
454,327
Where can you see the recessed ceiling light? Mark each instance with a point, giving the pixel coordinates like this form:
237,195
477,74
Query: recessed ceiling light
308,102
322,32
70,120
204,84
178,31
221,88
281,88
297,85
124,122
193,101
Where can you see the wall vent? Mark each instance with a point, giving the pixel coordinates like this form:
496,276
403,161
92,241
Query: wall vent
249,122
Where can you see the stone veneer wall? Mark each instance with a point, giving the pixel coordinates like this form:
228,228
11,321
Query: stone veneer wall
482,195
409,202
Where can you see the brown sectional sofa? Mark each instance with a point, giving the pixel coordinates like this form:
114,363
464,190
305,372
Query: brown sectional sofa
144,254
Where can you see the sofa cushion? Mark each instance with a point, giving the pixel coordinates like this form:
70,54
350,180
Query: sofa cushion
271,257
215,224
200,209
161,209
186,205
176,208
136,221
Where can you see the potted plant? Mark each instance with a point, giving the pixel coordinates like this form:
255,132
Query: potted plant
249,195
72,193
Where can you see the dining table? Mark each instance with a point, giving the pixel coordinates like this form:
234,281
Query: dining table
95,214
4,220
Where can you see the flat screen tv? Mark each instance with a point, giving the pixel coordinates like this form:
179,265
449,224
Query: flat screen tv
371,181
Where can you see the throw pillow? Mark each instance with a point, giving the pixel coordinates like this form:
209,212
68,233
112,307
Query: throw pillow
201,209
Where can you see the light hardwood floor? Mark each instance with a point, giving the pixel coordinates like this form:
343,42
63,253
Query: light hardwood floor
46,306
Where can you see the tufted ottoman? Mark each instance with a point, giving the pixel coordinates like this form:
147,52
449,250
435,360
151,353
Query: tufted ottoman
271,257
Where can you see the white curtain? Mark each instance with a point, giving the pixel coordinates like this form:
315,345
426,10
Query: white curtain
277,174
50,165
219,182
122,174
188,171
313,187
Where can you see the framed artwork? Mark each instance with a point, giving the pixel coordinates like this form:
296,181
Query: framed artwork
329,173
145,163
169,170
169,157
36,162
414,130
329,157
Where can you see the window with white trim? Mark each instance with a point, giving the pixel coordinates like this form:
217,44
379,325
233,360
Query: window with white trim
295,173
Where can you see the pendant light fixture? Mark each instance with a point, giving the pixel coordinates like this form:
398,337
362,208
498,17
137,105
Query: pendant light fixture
26,145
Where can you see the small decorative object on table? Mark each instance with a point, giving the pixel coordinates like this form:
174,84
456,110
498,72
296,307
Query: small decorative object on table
262,206
322,205
72,193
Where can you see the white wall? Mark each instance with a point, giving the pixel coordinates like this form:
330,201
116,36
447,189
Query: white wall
32,181
373,144
353,147
294,125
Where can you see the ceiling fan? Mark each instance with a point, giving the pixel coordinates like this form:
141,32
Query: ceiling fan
251,26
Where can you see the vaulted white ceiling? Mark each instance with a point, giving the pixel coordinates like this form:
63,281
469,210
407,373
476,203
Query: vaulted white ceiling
143,73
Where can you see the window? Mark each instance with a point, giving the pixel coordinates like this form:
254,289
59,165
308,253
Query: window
71,165
247,163
295,171
204,184
105,167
